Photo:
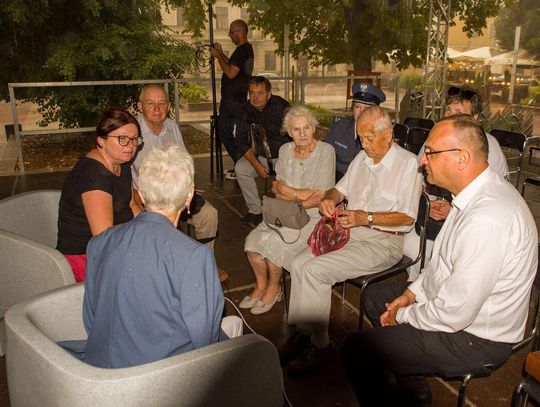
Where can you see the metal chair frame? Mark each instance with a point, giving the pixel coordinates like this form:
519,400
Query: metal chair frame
400,133
363,281
514,141
416,137
531,337
419,122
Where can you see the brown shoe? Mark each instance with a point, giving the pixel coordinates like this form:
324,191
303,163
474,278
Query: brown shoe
223,275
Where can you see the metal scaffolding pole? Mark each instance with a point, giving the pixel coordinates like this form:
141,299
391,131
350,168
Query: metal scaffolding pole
435,69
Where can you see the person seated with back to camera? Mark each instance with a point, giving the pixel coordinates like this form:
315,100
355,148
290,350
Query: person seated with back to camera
457,101
151,291
342,133
304,171
383,188
259,118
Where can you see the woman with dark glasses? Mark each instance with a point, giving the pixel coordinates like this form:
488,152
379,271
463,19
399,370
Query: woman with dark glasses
97,192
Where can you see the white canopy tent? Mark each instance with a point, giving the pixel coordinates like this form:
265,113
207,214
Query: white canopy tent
477,54
508,59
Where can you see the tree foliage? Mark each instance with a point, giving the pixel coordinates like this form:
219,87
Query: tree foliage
86,40
525,14
356,31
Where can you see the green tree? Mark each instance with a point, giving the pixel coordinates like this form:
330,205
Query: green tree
524,13
354,31
68,40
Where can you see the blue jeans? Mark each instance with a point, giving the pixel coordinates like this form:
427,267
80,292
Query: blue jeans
228,108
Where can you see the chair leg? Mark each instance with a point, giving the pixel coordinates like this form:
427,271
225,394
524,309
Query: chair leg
361,309
343,288
462,389
284,291
517,395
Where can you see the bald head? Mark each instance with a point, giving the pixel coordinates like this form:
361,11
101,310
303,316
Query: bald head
470,134
240,25
156,88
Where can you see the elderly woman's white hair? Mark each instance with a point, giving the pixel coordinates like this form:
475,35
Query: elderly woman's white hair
299,111
166,179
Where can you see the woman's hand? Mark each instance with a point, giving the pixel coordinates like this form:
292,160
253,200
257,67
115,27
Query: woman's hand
313,200
277,187
439,209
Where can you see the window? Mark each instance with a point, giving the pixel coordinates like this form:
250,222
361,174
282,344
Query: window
491,31
180,17
244,15
269,61
222,18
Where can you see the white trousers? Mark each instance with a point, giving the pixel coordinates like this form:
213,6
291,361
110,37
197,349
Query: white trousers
312,278
233,326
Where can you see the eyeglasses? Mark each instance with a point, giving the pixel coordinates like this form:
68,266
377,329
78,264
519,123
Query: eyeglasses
429,152
465,94
124,140
162,104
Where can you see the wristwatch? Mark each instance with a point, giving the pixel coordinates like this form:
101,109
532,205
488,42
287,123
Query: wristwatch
370,219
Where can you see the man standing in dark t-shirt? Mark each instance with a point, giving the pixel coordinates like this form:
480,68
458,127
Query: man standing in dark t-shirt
234,82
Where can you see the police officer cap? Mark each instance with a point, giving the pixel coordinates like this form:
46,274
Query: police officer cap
367,94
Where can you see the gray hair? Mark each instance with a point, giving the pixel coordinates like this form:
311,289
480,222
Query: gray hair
166,179
299,111
380,117
151,86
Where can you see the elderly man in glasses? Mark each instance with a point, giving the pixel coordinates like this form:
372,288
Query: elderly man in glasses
470,304
158,130
457,101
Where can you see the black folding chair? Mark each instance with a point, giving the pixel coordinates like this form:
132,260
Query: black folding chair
531,336
416,138
513,141
400,134
405,262
419,122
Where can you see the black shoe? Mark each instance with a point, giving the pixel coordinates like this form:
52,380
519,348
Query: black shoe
295,345
254,218
311,359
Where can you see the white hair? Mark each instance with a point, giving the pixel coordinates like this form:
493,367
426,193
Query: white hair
299,111
380,118
166,178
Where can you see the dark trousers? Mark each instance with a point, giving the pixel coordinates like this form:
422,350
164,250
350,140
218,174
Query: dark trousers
228,108
388,365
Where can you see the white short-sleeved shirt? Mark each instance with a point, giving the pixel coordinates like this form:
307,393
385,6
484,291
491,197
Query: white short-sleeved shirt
394,184
170,135
483,264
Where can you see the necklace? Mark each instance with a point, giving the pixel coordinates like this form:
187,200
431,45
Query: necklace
302,152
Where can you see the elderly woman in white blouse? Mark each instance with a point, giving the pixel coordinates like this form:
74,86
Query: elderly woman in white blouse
304,171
